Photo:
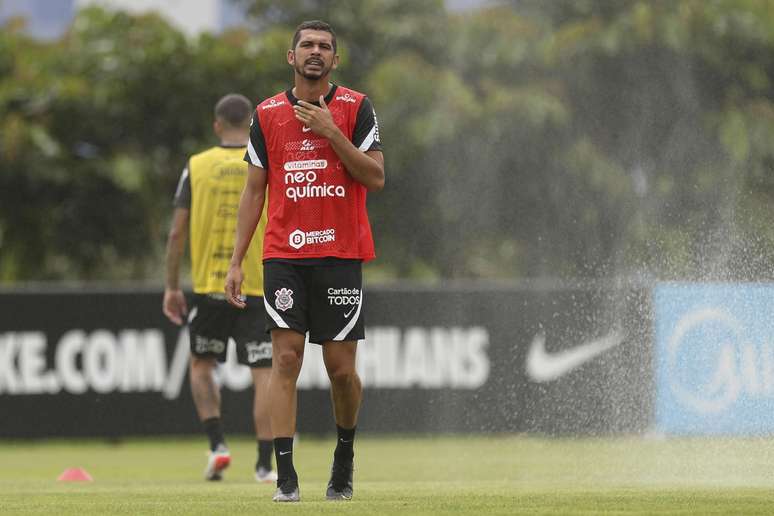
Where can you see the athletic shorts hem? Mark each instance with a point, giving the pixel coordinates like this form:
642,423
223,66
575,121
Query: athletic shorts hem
271,325
320,340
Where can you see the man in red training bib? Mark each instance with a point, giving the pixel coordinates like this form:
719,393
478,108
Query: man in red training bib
315,150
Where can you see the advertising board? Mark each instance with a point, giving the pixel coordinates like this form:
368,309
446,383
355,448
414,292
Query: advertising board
544,360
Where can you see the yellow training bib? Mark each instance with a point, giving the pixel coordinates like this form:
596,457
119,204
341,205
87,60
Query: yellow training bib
217,178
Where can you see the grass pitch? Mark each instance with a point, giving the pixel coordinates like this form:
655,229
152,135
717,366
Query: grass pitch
443,475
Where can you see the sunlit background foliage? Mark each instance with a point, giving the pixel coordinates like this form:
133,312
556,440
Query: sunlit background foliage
570,139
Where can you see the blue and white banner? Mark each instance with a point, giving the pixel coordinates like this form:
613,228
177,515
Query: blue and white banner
714,358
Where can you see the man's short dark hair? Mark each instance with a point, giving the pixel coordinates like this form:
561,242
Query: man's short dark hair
314,25
234,109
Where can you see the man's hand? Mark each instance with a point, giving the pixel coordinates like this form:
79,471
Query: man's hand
316,118
233,287
175,307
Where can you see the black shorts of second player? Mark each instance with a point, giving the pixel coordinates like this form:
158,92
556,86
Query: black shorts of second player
212,321
325,300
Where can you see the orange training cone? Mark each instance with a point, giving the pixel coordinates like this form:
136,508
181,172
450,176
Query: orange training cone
75,475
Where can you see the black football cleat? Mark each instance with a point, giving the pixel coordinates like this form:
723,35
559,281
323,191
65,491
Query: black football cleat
288,491
340,484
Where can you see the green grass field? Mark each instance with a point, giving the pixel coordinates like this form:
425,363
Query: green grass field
444,475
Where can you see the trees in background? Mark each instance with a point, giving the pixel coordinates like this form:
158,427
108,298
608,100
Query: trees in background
94,132
539,139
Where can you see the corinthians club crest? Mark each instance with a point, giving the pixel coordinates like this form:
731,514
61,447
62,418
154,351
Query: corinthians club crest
284,299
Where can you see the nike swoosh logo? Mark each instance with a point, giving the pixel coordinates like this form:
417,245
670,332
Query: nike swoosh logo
545,367
306,129
285,452
350,311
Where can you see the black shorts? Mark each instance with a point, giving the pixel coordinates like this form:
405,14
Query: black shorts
324,299
212,321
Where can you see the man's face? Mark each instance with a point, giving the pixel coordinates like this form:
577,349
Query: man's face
313,57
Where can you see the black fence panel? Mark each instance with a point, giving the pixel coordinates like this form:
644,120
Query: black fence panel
545,360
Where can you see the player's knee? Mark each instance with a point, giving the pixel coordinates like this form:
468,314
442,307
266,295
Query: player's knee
287,363
342,376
